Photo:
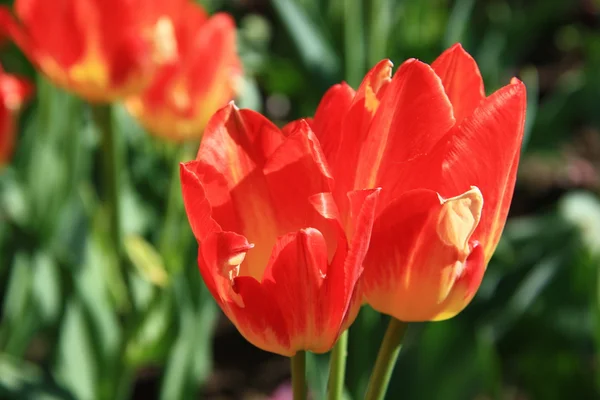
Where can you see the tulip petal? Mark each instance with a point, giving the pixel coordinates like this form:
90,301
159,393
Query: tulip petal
216,38
294,172
258,182
465,286
461,79
45,25
296,279
195,201
363,204
484,152
412,117
329,118
354,128
236,142
420,247
252,309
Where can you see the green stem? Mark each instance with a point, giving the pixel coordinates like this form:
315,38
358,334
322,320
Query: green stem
386,360
337,368
118,383
299,375
171,239
102,114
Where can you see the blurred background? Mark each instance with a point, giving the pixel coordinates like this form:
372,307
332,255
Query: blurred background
532,332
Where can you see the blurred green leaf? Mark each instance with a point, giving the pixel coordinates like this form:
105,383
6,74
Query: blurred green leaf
46,288
249,95
354,42
314,48
76,367
153,339
20,316
530,78
191,358
380,29
20,380
146,260
458,22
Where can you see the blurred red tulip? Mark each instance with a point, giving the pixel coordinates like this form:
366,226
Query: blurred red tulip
185,94
274,251
13,92
445,157
101,50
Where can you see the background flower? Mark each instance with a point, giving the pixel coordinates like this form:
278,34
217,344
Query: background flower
187,92
101,50
14,92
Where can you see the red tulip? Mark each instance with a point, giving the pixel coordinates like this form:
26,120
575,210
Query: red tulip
274,251
101,50
13,92
445,156
185,94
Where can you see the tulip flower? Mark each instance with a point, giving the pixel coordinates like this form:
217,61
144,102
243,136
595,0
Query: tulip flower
445,157
13,92
274,250
101,50
185,94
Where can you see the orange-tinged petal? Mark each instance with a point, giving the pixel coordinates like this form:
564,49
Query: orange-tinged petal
100,50
245,165
248,305
482,151
461,79
430,130
275,251
412,117
185,94
341,122
352,137
420,249
230,162
303,300
390,121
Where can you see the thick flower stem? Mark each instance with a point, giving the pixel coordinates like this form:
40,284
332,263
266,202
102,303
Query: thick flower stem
299,375
102,115
337,368
386,360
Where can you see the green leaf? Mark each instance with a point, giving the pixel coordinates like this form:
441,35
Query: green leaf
76,368
458,22
146,260
381,25
354,42
46,288
315,50
530,78
154,339
22,380
191,358
20,316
